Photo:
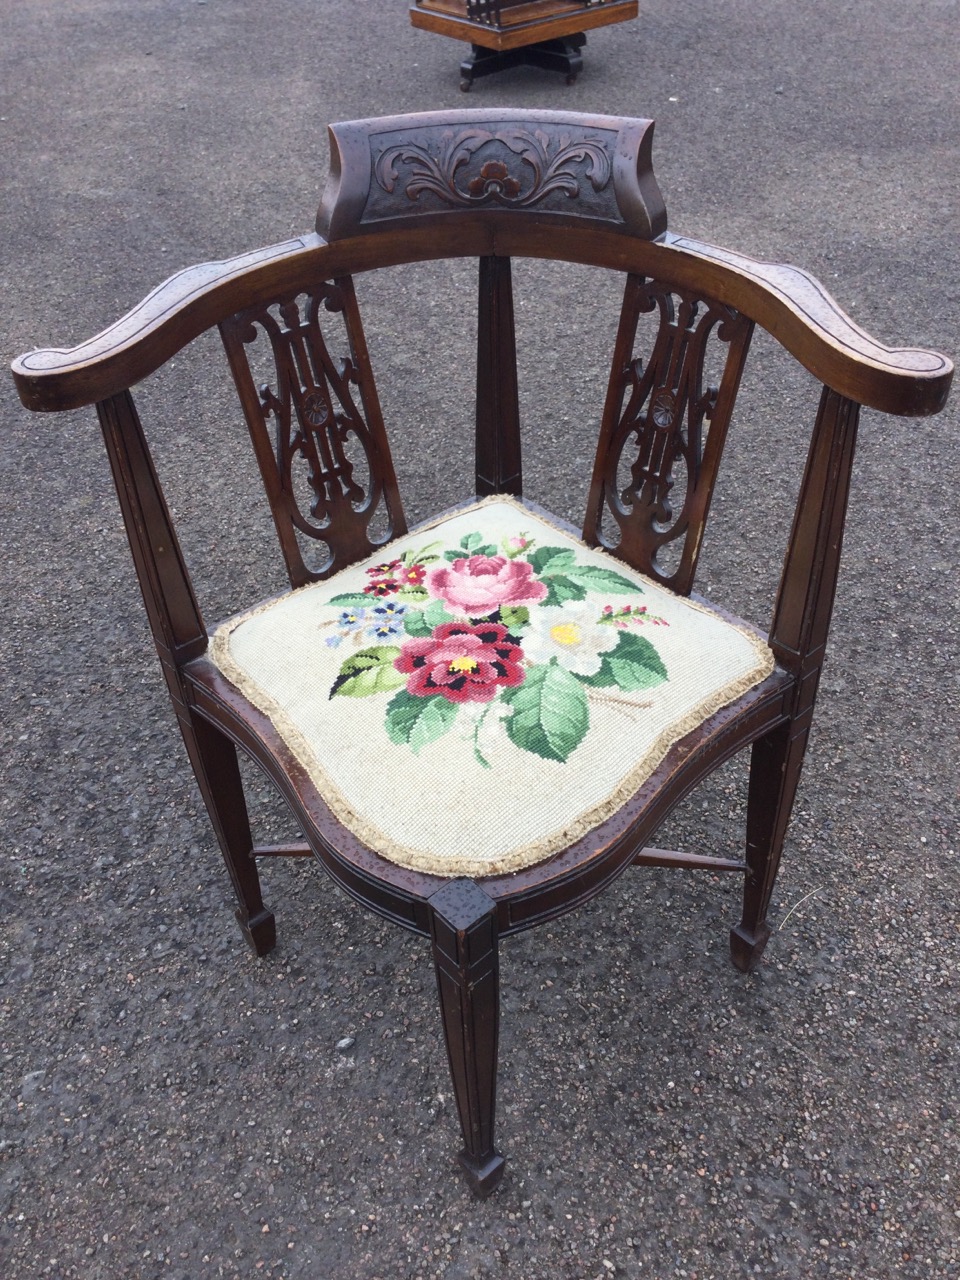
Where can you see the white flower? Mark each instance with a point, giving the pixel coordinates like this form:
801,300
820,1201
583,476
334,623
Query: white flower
572,633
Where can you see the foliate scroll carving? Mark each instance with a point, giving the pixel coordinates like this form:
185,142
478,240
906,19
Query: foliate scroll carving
664,430
402,170
510,166
326,463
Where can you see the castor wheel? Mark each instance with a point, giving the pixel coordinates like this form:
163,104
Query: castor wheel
572,78
464,86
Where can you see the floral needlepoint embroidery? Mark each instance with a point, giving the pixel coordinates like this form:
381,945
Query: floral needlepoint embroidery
530,629
481,584
412,575
514,545
573,634
496,661
461,662
386,620
386,570
384,581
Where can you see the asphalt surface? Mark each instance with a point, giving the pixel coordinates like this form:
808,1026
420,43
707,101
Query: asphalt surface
172,1107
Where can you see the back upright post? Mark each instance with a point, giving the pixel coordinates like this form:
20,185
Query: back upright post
498,404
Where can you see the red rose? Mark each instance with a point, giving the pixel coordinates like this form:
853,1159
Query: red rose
461,662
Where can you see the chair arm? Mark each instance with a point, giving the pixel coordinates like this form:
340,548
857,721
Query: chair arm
786,301
169,317
797,310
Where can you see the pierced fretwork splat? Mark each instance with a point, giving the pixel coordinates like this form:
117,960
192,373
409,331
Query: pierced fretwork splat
319,431
661,430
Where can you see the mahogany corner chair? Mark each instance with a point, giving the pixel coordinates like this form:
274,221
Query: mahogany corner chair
492,651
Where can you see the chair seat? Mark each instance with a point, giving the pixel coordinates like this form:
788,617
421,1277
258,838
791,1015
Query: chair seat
486,689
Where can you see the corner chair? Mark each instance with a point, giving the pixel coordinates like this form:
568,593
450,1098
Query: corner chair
491,650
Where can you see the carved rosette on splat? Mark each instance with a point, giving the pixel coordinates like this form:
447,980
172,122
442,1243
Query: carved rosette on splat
319,432
573,169
669,429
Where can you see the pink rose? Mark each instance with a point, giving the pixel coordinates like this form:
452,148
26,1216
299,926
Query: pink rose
479,585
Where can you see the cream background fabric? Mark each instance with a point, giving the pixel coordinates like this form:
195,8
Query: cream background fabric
440,809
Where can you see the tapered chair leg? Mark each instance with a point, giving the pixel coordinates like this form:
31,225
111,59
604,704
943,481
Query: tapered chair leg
214,759
774,775
464,936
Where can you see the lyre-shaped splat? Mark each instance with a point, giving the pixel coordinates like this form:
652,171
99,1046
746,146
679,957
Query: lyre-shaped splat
316,417
666,412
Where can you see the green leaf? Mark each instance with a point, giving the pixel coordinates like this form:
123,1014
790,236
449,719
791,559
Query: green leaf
411,595
557,570
435,615
422,622
416,625
552,564
414,722
550,714
353,600
597,578
602,679
561,588
552,560
472,545
634,664
424,556
514,618
367,672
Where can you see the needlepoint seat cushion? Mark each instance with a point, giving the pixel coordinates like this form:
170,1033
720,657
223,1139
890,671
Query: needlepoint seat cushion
486,689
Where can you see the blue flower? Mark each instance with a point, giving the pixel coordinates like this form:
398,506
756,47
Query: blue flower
384,630
353,619
385,620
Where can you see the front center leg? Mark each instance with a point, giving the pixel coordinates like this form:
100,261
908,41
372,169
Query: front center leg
464,936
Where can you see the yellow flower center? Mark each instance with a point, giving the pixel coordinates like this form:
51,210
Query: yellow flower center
567,633
463,664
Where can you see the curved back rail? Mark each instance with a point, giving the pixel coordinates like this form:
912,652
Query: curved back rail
785,300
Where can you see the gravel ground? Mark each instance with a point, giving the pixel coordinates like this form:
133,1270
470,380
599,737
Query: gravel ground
173,1107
